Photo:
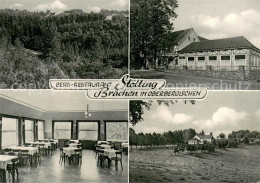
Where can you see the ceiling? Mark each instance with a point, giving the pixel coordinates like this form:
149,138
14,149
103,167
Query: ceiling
50,100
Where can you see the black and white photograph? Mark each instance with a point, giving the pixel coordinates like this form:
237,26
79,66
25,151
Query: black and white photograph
48,136
62,39
213,44
211,140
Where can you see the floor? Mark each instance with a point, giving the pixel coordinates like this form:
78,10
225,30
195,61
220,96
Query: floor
174,80
52,171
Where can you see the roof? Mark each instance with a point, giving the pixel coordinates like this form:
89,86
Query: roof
205,136
194,140
219,44
202,38
178,35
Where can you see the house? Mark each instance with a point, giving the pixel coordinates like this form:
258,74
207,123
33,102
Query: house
180,39
193,55
200,139
228,53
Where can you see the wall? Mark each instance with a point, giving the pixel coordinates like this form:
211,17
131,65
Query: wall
185,40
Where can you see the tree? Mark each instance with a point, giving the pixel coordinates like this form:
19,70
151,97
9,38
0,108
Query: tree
222,136
150,23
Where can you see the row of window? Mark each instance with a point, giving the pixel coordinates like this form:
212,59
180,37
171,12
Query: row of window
10,133
214,58
115,131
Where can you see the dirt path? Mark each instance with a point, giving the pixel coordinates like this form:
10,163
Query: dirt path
229,165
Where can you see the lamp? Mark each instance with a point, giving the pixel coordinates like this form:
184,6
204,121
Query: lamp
87,113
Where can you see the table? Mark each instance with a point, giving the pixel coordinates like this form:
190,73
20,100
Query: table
102,142
110,153
4,160
124,144
74,145
74,141
69,150
54,140
31,150
46,144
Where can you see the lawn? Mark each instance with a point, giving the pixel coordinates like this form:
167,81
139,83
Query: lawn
174,80
229,165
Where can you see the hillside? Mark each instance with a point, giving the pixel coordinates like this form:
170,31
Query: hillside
38,46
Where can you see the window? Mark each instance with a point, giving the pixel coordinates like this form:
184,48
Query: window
62,130
40,130
240,57
190,59
201,58
225,58
212,58
88,131
116,131
189,38
194,39
29,135
9,132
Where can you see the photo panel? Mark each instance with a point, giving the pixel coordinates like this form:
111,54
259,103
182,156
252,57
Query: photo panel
210,140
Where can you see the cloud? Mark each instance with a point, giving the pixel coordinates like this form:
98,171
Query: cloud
164,114
16,6
56,6
120,3
245,23
257,113
94,9
224,119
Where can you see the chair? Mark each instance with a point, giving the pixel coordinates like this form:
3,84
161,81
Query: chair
13,168
37,158
79,152
63,156
2,175
101,157
51,149
75,159
118,158
117,146
42,150
24,158
7,151
16,152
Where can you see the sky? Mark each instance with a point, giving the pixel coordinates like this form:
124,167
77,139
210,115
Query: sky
59,6
219,112
214,19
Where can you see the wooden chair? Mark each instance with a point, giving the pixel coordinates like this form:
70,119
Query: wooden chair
12,168
119,155
63,156
101,157
24,158
7,151
37,158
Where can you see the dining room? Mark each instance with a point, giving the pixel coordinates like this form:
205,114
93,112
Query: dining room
62,136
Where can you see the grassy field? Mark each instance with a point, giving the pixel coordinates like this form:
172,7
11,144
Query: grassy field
174,80
229,165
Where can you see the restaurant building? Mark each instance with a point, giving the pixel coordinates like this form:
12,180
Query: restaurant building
230,58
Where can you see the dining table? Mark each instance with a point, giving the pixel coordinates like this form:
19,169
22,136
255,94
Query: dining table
69,150
4,161
74,144
31,150
46,144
